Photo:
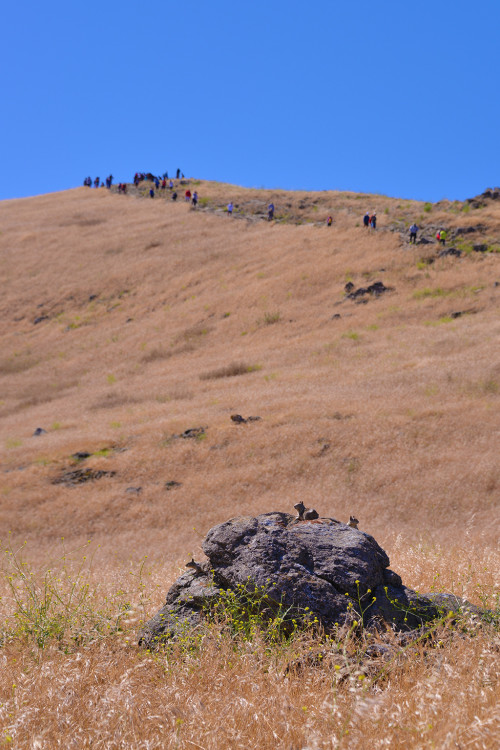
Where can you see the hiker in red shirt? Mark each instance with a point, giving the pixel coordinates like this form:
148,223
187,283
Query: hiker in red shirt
187,196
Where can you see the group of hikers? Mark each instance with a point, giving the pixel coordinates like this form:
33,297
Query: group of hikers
270,210
188,196
163,182
441,235
370,220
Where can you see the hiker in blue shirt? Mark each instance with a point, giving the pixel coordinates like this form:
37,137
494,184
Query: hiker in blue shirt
270,212
151,193
366,219
230,209
413,233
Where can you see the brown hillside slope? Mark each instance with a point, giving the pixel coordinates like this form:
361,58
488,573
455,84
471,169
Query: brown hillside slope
390,411
152,319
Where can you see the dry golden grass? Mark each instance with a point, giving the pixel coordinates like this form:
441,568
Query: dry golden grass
390,412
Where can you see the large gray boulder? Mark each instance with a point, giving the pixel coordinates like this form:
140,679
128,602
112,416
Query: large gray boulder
322,569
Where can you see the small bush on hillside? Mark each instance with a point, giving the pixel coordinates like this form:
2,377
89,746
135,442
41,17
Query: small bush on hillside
270,318
230,371
156,354
58,605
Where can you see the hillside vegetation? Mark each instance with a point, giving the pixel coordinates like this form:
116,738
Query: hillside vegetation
126,321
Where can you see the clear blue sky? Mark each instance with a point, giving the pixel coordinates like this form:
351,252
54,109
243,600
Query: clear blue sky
391,97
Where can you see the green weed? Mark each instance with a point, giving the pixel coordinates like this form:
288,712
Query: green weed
270,318
57,605
428,292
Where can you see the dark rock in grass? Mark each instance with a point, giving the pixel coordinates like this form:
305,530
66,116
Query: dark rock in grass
481,248
238,419
336,316
80,476
172,485
133,490
39,431
192,433
469,230
321,569
348,287
450,251
81,455
375,290
40,319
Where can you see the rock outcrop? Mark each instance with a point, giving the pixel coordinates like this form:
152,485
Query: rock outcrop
321,569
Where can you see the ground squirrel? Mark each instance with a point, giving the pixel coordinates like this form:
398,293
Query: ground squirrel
195,566
353,522
305,514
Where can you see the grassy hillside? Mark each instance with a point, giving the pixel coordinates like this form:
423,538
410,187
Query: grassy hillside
126,321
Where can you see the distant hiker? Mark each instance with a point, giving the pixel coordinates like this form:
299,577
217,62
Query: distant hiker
373,221
329,221
163,184
171,185
174,196
366,219
413,233
270,212
229,209
442,236
195,199
157,183
187,196
96,182
438,235
177,174
151,193
165,175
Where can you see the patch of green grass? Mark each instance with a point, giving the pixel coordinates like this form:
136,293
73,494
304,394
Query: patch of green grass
105,452
55,426
427,292
351,335
490,387
431,390
115,425
111,379
443,319
59,605
13,443
427,208
270,318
